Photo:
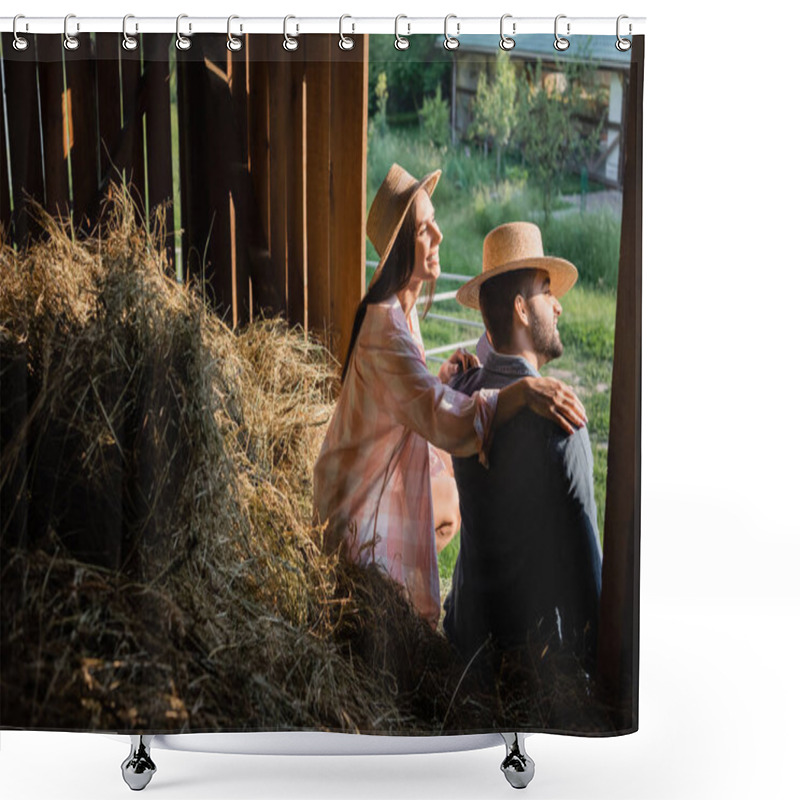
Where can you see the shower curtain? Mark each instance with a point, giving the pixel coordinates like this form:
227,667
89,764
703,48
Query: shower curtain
185,247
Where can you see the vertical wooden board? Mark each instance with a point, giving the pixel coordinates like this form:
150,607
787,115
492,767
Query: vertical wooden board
158,144
318,137
80,66
618,650
187,71
5,197
241,211
220,159
132,145
296,228
348,196
265,298
109,122
258,116
209,156
278,144
25,145
53,106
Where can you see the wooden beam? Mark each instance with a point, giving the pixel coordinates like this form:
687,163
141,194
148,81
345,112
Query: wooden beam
348,188
618,650
109,116
54,108
318,100
80,66
5,197
296,228
131,152
204,103
242,236
279,138
158,127
25,144
265,296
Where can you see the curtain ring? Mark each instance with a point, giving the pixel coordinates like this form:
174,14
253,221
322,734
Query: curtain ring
451,42
289,42
128,42
70,42
234,43
400,42
623,45
182,42
20,42
506,42
561,43
345,42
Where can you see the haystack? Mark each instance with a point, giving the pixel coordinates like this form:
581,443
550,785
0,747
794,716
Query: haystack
160,570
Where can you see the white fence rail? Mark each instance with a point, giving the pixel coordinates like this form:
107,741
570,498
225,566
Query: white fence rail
435,353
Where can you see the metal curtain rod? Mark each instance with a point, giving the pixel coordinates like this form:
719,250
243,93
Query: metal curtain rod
457,26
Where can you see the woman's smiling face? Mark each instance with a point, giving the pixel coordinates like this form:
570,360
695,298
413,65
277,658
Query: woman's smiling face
427,239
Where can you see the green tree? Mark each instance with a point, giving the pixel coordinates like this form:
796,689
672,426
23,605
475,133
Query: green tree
495,107
410,75
434,119
382,99
556,135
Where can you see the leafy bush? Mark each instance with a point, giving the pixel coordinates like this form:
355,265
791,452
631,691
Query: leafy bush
381,99
434,119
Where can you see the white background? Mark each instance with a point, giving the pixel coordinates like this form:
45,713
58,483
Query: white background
720,607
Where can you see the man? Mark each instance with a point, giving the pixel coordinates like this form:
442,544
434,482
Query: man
527,578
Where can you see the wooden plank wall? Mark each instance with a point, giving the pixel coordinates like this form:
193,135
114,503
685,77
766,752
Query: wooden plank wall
618,651
25,147
315,171
272,163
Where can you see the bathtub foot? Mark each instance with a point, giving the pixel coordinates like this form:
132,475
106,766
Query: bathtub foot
518,766
138,768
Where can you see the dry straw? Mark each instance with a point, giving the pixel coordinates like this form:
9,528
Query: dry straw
159,566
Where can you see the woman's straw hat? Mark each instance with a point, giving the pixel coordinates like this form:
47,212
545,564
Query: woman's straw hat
517,245
390,206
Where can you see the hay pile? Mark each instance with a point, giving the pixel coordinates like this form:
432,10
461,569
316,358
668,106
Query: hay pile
159,567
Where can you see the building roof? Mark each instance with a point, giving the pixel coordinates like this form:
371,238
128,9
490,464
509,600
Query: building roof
600,50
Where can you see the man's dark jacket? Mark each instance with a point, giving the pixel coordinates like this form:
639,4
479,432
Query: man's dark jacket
528,572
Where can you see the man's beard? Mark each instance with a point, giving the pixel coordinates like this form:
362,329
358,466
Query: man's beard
546,341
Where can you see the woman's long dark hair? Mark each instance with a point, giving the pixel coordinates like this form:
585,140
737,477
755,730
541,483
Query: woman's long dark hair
395,275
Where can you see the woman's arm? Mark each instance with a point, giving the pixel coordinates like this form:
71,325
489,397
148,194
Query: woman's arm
548,397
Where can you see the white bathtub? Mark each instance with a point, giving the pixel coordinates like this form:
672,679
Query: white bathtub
139,767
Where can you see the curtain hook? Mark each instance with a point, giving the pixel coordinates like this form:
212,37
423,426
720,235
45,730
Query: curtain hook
561,43
128,42
234,43
70,42
400,42
182,42
506,42
346,42
20,42
451,42
289,42
623,45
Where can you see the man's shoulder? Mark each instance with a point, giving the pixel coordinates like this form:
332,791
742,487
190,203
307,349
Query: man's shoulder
467,382
478,378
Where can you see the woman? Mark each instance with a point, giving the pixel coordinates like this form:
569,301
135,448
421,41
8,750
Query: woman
372,480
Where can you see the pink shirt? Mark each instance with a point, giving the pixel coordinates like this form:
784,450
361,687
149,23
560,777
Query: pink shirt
372,478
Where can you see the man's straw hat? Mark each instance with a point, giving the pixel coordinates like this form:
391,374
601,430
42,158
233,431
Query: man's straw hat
390,206
517,245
